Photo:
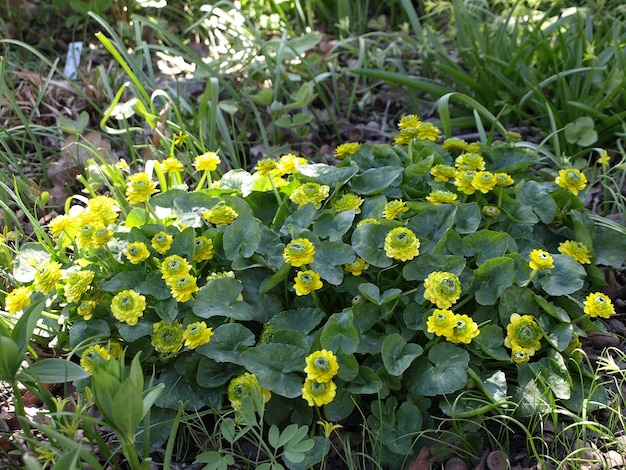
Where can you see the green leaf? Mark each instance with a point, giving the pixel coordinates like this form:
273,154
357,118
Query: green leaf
242,237
213,374
137,217
491,341
338,334
468,217
10,359
329,175
397,355
333,226
275,366
303,319
94,328
220,297
408,424
128,406
372,293
537,196
493,277
124,280
487,244
367,382
227,343
419,268
56,370
368,241
433,222
69,459
31,256
375,180
133,333
329,257
609,246
443,371
341,407
565,278
581,132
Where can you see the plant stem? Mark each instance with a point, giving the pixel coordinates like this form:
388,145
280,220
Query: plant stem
20,412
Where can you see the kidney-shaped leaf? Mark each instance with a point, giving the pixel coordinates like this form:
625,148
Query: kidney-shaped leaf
398,355
443,371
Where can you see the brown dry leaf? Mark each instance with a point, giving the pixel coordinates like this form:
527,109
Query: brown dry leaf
423,461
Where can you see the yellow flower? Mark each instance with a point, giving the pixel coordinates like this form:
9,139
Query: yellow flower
454,145
357,267
47,276
88,225
59,224
224,274
197,334
173,267
85,309
307,282
265,166
442,288
18,299
463,180
171,165
469,162
101,236
520,355
394,208
245,385
577,250
318,394
491,211
104,208
540,259
220,214
604,158
442,196
401,244
409,121
428,131
329,427
299,252
598,304
348,202
321,366
288,164
136,252
346,150
139,188
127,306
91,355
115,349
463,330
207,161
368,221
504,180
571,179
484,181
203,249
167,338
523,332
162,242
310,193
443,173
183,287
77,284
440,322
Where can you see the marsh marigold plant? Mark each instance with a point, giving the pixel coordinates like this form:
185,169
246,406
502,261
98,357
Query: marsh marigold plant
406,277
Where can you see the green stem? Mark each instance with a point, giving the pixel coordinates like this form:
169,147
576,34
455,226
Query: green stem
128,449
20,412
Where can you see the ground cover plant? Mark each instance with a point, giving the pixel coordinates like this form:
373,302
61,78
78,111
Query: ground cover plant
259,312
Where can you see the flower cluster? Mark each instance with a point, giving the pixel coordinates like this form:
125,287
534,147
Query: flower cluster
319,388
399,262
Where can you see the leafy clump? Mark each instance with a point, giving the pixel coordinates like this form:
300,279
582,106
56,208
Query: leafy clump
451,271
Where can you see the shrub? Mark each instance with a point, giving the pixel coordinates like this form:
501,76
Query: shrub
425,277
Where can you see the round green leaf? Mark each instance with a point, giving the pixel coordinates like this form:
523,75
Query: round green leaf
397,355
443,371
